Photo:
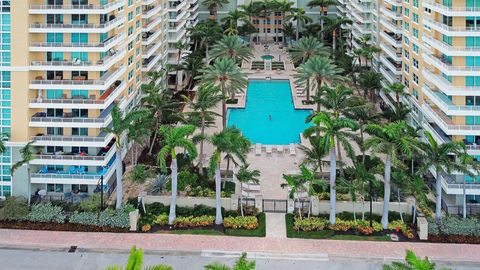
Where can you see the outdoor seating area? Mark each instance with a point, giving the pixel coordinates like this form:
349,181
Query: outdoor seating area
79,170
275,149
258,65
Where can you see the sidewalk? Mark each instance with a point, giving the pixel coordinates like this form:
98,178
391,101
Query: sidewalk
202,243
275,225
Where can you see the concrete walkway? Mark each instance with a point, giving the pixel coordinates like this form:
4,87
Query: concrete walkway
203,243
275,225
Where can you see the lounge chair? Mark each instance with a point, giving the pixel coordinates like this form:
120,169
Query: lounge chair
280,149
258,149
72,170
268,149
292,150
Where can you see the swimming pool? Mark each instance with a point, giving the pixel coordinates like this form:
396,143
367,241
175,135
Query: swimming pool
269,116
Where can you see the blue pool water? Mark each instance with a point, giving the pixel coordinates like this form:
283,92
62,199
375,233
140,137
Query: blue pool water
269,116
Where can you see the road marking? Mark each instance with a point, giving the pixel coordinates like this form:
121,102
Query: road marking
266,255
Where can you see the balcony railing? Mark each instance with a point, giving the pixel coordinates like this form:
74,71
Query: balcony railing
437,25
106,43
440,7
79,157
78,62
59,138
90,7
447,126
79,82
38,25
442,64
434,96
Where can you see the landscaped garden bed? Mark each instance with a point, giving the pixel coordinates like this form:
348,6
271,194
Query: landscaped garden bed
454,230
200,220
16,214
346,228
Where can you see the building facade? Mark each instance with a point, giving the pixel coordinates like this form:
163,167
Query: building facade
65,64
433,48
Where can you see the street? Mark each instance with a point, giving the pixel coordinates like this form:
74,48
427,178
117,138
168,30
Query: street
60,259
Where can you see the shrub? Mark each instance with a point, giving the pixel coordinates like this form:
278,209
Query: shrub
247,222
397,225
342,225
140,173
186,179
310,224
249,211
46,212
191,222
161,219
84,218
146,228
201,192
458,226
91,204
114,218
14,208
157,185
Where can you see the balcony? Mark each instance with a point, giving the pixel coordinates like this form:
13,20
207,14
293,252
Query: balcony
394,67
40,119
361,28
391,78
81,102
446,124
150,11
451,50
462,11
176,5
176,37
446,105
75,47
449,69
148,64
149,37
150,26
77,9
149,51
392,39
101,158
79,83
77,64
59,140
395,28
437,132
390,13
397,3
453,184
361,7
77,28
446,87
391,52
452,31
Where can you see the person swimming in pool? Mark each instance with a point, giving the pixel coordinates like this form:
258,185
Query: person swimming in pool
270,117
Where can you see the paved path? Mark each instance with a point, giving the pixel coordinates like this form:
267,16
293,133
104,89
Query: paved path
276,227
203,243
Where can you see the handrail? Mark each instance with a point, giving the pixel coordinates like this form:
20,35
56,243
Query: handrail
76,26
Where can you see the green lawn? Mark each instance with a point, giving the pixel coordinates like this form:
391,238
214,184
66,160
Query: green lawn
259,232
327,234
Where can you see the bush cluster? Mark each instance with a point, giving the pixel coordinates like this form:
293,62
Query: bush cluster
247,222
13,208
310,224
46,212
107,218
192,222
455,226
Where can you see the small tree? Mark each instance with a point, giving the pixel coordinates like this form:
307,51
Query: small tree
241,264
26,154
135,262
412,262
244,176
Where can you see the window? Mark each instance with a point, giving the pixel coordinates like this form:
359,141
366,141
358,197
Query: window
415,3
406,68
79,131
415,17
415,63
130,60
415,78
130,16
55,188
79,19
80,113
406,40
407,54
407,12
406,26
415,32
415,48
82,188
130,30
79,37
448,40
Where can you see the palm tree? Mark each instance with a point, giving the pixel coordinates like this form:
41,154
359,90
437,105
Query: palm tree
339,100
192,66
251,11
120,124
364,114
314,154
306,48
332,129
174,137
311,180
370,82
296,185
135,262
323,4
160,104
412,263
399,112
417,188
26,154
233,47
288,32
318,69
300,17
229,141
138,132
363,176
207,98
240,264
284,6
398,89
180,47
334,26
232,18
213,5
225,74
391,140
439,158
244,176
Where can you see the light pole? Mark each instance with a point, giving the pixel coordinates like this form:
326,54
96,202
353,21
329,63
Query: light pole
101,193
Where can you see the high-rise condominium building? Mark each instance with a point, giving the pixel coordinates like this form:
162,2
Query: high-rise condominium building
433,48
64,65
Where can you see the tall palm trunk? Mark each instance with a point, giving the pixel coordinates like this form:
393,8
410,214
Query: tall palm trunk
224,113
362,148
202,132
29,187
438,199
386,191
334,42
299,207
173,201
218,198
297,34
333,192
119,176
308,89
322,25
340,158
207,56
241,199
178,69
